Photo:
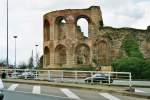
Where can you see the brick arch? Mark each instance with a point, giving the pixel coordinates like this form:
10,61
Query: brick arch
83,16
46,56
60,33
60,54
82,54
58,19
102,52
88,24
46,30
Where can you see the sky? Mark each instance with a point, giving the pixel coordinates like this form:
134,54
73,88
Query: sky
26,21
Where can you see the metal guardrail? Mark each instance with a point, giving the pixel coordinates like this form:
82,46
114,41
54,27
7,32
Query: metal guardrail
69,76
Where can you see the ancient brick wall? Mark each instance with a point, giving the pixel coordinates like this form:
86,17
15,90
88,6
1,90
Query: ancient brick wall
65,46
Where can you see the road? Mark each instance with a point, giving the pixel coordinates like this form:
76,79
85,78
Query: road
34,92
27,96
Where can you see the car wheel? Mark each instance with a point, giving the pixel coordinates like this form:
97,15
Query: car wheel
87,81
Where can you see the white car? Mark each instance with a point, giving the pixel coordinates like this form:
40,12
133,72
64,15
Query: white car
1,90
29,75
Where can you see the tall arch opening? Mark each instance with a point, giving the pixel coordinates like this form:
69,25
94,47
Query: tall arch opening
46,30
102,51
46,56
82,25
82,53
60,55
60,28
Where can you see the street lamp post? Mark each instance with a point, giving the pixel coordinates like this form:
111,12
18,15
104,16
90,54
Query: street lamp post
15,37
36,55
7,59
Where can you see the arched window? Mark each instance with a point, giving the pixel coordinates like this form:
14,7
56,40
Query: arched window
46,56
102,53
46,30
82,54
82,24
60,55
60,26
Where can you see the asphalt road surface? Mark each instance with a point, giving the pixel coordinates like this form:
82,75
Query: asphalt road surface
31,92
27,96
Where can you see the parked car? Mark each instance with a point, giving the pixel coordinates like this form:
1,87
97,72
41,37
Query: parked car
28,75
1,90
98,78
15,74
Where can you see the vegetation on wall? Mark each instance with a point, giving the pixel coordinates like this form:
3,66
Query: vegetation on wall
134,62
131,47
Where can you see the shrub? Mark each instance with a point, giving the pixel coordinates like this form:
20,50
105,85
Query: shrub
139,68
130,64
134,62
146,70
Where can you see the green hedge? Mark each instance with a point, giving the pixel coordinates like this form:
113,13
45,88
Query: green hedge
146,70
139,68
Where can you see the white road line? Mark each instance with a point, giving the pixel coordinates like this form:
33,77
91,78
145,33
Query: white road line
137,90
70,94
108,96
36,90
13,87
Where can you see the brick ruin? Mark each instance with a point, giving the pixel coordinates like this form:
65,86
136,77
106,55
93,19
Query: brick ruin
65,46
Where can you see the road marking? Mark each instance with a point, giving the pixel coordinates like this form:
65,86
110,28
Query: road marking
13,87
49,95
137,90
70,94
36,90
108,96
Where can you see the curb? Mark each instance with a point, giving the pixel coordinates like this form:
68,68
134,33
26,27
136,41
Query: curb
140,86
76,86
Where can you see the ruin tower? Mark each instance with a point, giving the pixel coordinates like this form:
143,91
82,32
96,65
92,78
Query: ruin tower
64,43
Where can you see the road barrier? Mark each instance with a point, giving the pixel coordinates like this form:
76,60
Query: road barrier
89,77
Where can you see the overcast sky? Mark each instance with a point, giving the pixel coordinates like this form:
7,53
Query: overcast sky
25,20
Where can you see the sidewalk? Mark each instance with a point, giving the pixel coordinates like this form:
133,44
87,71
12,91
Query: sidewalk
105,88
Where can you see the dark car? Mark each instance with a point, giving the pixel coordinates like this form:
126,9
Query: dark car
98,78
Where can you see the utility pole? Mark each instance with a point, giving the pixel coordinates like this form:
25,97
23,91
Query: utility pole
15,37
36,55
7,59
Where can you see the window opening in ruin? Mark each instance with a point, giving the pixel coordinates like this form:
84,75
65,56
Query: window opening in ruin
82,54
46,30
60,55
60,20
47,56
60,27
102,48
63,21
82,26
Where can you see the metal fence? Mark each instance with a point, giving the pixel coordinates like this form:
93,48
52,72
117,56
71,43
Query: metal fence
87,77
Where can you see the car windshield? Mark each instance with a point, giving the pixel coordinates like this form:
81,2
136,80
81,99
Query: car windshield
98,75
